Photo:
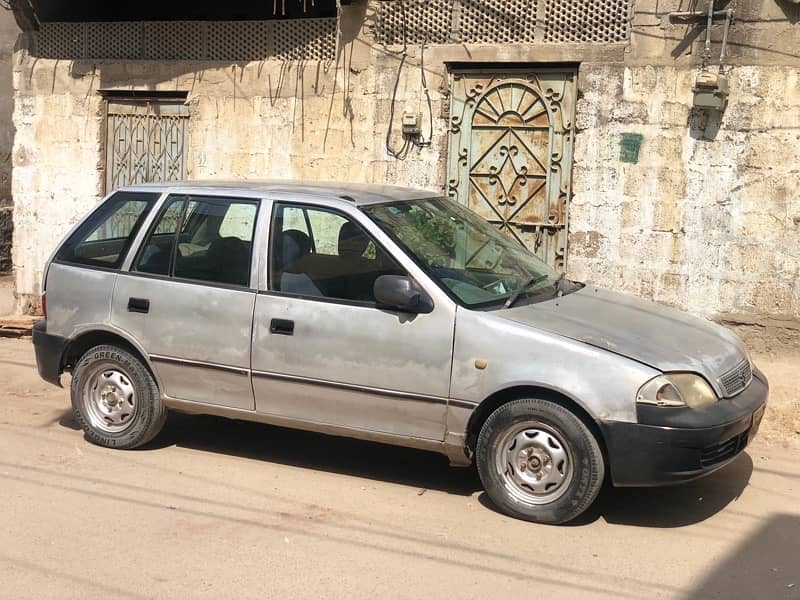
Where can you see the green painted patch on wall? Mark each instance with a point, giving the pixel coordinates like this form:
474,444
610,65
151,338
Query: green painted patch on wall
629,147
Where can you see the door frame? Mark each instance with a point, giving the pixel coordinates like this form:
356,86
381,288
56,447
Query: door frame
148,97
445,306
499,71
126,270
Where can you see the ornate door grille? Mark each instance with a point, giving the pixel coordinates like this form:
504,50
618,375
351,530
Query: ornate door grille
146,141
510,153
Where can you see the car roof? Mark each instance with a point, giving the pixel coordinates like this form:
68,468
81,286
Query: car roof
359,194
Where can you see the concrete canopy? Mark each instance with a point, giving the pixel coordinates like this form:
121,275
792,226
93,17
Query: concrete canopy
32,12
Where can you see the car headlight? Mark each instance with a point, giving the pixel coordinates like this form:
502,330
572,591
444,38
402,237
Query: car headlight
677,390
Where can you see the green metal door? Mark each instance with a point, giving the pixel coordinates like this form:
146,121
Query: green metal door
510,152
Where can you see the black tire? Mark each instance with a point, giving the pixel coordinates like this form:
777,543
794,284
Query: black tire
143,422
586,471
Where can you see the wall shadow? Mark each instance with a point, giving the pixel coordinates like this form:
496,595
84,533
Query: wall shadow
765,565
791,9
143,71
9,33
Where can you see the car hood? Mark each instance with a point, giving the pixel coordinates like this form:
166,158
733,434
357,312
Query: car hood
658,336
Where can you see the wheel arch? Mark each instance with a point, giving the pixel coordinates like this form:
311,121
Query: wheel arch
500,397
86,339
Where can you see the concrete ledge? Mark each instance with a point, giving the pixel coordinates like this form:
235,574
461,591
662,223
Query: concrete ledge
16,326
764,333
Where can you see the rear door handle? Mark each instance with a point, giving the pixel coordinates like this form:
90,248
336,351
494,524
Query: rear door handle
138,305
281,327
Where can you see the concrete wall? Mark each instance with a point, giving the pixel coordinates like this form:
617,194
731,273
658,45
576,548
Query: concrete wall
707,219
8,38
709,225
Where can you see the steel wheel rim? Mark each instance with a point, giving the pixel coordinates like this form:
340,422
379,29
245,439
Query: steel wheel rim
109,398
534,462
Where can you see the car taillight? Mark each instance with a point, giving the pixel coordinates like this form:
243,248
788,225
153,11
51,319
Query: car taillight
44,305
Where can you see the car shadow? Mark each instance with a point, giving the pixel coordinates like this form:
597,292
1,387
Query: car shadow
664,507
67,420
309,450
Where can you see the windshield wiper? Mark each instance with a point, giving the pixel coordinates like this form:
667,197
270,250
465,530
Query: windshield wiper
518,293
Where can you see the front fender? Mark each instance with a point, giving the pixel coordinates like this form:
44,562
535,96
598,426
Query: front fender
604,384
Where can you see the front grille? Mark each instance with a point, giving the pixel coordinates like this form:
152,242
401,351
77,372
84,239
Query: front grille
738,378
711,455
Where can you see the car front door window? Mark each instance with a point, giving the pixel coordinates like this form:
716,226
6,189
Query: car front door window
321,253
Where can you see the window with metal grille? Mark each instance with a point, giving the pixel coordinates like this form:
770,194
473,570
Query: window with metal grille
146,140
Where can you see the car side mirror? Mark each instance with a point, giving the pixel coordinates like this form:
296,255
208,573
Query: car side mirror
398,292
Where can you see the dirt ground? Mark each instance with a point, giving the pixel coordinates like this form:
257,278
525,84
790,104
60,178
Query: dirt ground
223,509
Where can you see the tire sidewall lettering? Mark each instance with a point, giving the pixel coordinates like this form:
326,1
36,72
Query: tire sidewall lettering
151,412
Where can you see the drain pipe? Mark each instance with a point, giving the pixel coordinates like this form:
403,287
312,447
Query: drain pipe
709,16
728,18
710,22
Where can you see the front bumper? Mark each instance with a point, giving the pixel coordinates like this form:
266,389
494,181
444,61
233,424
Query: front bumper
675,445
49,353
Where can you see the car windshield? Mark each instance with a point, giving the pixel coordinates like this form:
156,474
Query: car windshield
470,258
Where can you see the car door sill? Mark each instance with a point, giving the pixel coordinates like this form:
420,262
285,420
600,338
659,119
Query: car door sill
432,445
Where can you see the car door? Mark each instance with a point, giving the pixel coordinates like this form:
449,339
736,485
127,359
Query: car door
324,352
188,298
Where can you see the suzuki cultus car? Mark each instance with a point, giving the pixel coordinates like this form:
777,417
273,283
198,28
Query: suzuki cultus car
391,315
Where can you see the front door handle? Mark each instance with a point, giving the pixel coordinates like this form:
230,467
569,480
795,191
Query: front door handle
281,327
139,305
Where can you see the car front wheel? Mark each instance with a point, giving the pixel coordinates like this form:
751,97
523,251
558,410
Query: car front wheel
538,461
115,398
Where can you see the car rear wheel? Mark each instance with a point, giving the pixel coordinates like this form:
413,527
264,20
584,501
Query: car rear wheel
115,398
539,462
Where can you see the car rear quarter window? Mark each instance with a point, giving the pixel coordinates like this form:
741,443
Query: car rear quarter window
104,238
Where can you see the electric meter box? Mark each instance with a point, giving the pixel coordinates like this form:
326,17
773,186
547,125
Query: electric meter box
411,124
710,91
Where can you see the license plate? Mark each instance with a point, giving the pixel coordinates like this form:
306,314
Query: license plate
757,416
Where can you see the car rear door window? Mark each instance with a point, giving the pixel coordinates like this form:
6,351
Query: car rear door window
104,238
322,253
155,256
202,238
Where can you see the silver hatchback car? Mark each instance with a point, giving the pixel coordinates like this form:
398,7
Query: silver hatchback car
392,315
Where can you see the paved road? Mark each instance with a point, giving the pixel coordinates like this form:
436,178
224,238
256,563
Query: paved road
220,509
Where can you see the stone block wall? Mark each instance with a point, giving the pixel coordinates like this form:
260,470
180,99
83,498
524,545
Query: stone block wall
297,120
707,218
8,38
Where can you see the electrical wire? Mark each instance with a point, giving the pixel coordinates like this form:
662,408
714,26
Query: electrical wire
403,151
409,141
423,141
